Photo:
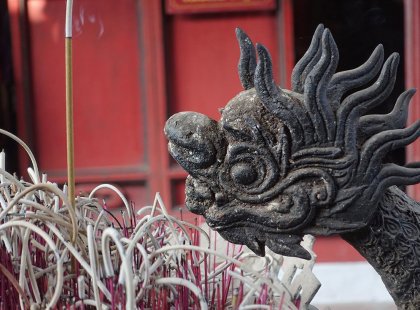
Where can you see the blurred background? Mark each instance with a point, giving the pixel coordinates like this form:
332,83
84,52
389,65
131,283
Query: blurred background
136,62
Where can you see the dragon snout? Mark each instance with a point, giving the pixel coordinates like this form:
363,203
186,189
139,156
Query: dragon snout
193,140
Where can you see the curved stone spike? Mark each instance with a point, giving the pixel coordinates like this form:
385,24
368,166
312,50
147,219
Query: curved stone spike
281,246
317,152
415,164
396,119
306,63
362,101
264,81
345,81
279,102
315,88
247,59
334,163
376,148
246,236
392,174
273,98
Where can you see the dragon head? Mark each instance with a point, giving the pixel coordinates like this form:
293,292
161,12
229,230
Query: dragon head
283,163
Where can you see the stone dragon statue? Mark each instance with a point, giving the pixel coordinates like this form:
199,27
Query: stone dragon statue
284,163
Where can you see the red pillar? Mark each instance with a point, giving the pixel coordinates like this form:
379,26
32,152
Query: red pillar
412,76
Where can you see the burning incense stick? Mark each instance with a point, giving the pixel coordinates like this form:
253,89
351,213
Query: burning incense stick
69,108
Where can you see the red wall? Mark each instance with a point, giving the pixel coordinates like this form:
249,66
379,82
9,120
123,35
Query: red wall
412,75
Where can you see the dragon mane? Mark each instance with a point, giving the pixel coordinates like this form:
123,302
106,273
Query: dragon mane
329,128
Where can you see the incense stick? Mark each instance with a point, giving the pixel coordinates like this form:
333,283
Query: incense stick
69,109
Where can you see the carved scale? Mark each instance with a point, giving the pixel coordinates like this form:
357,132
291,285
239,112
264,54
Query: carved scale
284,163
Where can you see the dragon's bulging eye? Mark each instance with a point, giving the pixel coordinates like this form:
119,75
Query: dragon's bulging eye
243,173
249,171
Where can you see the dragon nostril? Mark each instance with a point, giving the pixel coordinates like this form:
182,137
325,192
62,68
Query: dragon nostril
193,140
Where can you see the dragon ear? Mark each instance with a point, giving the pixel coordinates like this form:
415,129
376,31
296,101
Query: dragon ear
247,59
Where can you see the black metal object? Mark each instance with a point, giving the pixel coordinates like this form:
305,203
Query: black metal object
280,164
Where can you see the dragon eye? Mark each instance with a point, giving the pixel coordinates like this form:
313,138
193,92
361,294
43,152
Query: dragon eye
249,171
243,173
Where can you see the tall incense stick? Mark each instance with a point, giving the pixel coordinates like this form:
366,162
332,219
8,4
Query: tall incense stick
69,109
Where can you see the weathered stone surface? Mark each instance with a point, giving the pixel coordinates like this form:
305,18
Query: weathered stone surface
283,163
391,244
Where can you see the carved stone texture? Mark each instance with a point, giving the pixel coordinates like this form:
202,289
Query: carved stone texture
391,244
283,163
